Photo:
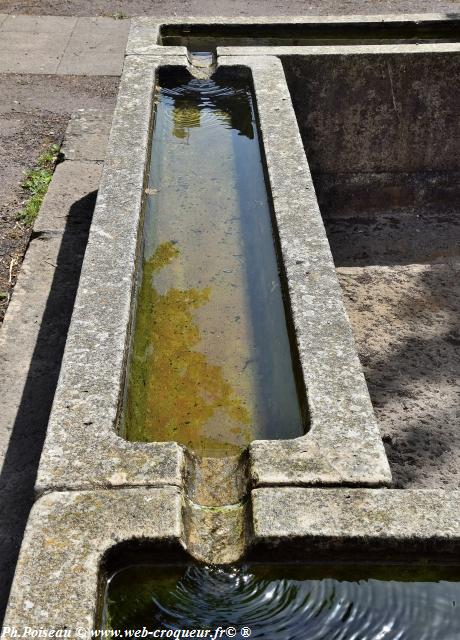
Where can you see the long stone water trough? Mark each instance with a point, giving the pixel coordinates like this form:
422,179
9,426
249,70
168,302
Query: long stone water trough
359,137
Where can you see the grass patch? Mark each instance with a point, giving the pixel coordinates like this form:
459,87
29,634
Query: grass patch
36,184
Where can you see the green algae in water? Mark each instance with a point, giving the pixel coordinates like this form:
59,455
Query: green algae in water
186,388
294,602
211,364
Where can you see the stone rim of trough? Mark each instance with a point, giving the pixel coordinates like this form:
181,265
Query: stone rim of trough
82,448
69,535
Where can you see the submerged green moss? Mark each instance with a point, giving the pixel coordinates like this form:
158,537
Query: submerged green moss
173,389
211,365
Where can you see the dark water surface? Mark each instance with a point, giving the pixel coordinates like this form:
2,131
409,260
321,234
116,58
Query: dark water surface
208,37
291,603
211,364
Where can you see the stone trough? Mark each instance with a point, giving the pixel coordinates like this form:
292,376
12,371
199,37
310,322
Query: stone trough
360,144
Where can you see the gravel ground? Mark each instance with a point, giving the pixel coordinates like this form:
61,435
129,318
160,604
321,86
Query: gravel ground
222,7
406,327
34,111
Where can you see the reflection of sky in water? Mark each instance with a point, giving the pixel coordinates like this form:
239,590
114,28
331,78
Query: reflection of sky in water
290,608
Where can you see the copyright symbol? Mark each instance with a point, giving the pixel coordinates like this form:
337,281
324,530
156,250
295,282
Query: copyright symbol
81,632
245,632
231,632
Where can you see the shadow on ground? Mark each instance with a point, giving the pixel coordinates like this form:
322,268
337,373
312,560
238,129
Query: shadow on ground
19,471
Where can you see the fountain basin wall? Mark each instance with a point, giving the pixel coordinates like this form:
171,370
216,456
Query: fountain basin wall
287,35
83,448
325,31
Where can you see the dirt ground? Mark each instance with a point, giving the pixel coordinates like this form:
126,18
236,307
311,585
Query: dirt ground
34,112
222,7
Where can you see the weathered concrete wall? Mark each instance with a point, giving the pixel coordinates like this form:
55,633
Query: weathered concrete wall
377,114
378,129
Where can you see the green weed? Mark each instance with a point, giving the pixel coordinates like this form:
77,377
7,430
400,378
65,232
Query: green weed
36,184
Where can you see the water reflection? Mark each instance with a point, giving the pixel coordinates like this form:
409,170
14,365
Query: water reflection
291,603
199,102
211,364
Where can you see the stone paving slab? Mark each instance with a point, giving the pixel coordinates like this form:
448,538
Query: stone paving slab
32,341
22,325
96,47
40,24
62,208
87,135
31,344
31,53
64,45
56,581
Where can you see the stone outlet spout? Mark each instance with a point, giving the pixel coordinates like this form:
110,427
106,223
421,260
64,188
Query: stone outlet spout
216,508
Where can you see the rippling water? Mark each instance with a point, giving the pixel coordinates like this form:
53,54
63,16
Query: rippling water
291,602
199,103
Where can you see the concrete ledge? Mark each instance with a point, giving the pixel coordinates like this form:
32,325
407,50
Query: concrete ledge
325,50
96,47
143,39
56,580
363,519
62,45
